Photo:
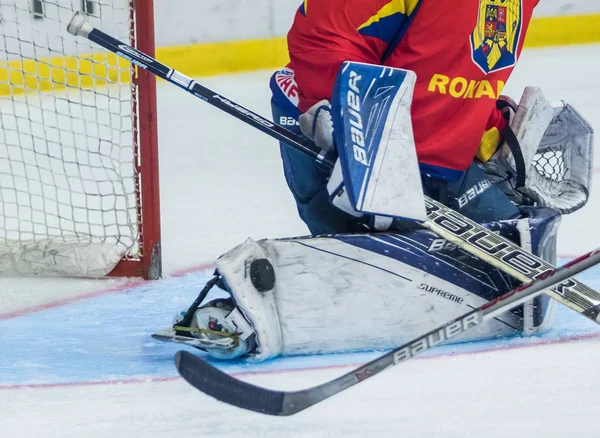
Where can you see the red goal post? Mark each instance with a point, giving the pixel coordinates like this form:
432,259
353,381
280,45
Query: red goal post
79,190
149,264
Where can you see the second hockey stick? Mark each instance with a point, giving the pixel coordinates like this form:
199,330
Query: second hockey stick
449,224
228,389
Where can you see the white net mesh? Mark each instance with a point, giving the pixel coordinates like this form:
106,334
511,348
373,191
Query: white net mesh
67,142
551,165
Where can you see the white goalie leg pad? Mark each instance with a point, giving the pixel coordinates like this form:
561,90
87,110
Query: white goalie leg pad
529,326
330,296
257,307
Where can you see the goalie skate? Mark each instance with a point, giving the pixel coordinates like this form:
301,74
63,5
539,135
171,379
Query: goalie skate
217,328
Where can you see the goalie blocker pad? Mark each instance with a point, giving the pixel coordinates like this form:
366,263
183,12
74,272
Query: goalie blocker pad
363,292
375,142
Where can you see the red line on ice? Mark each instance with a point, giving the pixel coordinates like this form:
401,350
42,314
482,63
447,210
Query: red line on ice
69,300
568,339
129,285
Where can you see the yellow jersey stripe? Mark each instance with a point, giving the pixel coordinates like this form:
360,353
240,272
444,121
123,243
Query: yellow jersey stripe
405,7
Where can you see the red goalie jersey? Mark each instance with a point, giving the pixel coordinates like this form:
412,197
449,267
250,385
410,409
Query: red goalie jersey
462,52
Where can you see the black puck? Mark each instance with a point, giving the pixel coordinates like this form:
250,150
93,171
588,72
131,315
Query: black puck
262,275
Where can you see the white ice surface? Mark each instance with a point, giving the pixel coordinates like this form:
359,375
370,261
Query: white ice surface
221,181
547,392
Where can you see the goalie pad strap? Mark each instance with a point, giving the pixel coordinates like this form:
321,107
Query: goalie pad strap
515,148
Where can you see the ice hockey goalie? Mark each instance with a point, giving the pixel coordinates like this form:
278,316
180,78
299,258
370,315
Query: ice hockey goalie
379,289
405,114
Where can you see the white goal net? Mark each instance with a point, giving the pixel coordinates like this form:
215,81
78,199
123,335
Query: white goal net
69,161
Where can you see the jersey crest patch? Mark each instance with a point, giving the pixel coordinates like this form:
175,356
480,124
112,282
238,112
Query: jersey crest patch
495,39
284,79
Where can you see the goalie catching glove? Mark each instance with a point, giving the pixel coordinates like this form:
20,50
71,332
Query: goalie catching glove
546,159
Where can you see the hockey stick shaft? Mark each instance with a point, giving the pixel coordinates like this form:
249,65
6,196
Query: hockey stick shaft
223,387
79,26
508,257
449,224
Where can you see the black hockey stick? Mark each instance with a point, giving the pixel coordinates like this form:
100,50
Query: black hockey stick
79,26
228,389
449,224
